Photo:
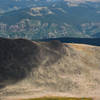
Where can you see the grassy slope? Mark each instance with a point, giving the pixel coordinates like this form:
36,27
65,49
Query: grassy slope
60,98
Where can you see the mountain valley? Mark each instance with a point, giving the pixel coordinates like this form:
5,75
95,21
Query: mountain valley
52,19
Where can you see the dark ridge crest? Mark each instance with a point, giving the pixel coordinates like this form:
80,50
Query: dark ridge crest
19,56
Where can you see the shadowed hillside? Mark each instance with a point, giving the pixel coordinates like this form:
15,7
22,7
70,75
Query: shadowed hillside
18,57
34,69
89,41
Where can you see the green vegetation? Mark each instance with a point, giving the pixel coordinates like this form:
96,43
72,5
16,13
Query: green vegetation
42,20
59,98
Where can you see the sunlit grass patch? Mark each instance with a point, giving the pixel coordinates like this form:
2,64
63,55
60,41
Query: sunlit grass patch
59,98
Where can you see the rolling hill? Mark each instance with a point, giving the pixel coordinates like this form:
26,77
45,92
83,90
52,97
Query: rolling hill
34,69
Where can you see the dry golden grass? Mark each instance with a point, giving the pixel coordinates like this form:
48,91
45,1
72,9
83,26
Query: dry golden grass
59,98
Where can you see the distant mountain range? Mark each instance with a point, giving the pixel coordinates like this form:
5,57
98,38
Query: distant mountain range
6,6
39,19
